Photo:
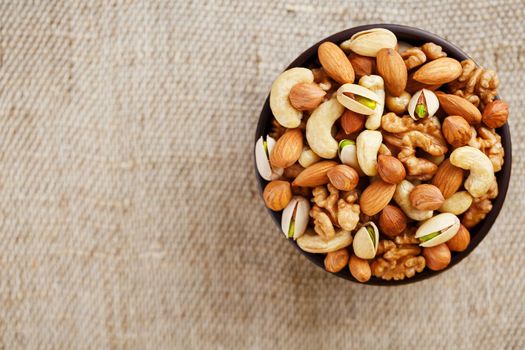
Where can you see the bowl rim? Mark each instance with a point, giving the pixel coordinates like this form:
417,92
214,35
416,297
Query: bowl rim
478,232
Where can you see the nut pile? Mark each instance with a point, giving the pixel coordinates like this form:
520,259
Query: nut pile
383,157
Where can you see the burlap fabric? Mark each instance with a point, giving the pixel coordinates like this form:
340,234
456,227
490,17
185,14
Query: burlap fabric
130,217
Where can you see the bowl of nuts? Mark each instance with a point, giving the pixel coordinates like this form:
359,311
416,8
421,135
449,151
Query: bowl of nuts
383,154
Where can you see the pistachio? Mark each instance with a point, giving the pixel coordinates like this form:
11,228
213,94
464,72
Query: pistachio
423,103
438,229
263,149
358,98
369,42
348,154
295,217
366,241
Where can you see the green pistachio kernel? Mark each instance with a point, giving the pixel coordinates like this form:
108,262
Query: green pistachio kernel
421,111
366,102
429,236
291,230
265,145
371,233
345,142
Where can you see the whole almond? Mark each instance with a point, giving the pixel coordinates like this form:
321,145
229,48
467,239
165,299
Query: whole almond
456,105
460,241
343,177
440,71
352,122
448,178
315,175
306,96
390,169
335,63
362,65
336,261
426,197
456,130
495,114
287,149
391,67
360,269
414,86
376,196
392,221
277,194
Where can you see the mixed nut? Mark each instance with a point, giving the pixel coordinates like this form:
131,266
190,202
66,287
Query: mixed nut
383,157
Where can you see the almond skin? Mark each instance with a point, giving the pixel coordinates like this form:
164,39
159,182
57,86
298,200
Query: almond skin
336,261
392,221
448,178
376,197
392,68
440,71
460,241
414,86
315,174
456,130
343,177
426,197
360,269
287,149
455,105
306,96
495,114
352,122
390,169
362,65
438,257
335,63
277,194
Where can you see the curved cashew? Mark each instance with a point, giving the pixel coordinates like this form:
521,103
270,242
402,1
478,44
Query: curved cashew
308,157
319,128
481,170
368,143
401,196
280,105
313,243
377,85
457,204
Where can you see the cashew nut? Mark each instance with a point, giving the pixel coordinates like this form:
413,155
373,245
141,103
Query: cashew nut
308,157
319,128
312,243
280,105
401,197
377,85
368,143
457,204
481,170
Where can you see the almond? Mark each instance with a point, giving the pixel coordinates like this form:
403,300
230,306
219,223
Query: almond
426,197
336,261
362,65
287,149
414,86
495,114
376,196
352,122
315,174
392,221
343,177
448,178
455,105
390,169
456,130
360,268
277,194
440,71
306,96
392,68
335,63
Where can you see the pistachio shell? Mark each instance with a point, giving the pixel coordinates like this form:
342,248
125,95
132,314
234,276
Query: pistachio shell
445,221
302,210
263,161
431,100
313,243
352,104
348,156
369,42
363,245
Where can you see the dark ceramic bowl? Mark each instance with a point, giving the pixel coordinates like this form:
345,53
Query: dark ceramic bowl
415,37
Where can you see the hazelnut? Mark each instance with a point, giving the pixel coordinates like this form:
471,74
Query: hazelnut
392,221
495,114
456,130
306,96
343,177
277,194
360,269
390,169
336,261
362,65
352,122
437,257
426,197
460,241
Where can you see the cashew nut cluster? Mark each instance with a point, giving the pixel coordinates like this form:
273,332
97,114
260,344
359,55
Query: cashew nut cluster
382,156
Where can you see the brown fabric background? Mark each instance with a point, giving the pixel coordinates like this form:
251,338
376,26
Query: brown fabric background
129,212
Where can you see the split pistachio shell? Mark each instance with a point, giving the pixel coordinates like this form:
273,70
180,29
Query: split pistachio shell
432,103
262,159
348,155
365,247
369,42
354,105
299,221
313,243
442,227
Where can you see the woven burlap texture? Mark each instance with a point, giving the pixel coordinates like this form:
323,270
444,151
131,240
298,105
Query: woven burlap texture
130,215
